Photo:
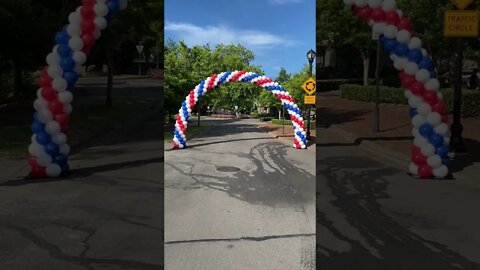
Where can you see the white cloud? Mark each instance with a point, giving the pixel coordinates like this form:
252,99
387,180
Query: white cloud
284,2
214,34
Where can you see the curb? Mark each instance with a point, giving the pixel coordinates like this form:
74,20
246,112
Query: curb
284,140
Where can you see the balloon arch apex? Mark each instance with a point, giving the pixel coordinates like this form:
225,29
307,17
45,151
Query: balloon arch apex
181,123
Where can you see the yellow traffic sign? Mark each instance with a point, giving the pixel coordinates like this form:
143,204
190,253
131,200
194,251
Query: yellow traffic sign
460,23
462,4
309,86
309,100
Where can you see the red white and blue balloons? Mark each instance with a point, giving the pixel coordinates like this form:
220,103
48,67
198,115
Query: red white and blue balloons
429,155
48,151
179,139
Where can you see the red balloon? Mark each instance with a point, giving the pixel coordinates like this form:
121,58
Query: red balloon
88,13
38,172
88,26
391,17
55,106
408,80
430,97
404,24
378,15
415,151
49,93
88,3
364,13
62,119
417,88
401,75
419,158
32,161
43,81
439,107
88,40
425,171
445,119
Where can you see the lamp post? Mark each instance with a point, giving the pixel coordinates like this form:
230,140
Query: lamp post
376,109
139,50
310,56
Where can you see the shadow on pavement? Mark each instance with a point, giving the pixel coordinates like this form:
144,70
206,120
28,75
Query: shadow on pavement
338,116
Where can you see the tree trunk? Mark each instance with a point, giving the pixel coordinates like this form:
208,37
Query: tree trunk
18,73
108,101
366,67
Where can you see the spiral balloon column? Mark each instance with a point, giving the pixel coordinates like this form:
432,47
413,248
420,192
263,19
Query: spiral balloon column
48,151
179,140
429,155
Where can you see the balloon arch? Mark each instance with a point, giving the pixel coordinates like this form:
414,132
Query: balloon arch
429,155
179,139
48,151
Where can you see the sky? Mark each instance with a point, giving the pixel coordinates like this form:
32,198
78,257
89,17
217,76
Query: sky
279,32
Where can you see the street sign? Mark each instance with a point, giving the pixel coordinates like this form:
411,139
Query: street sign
309,86
462,4
309,100
139,49
460,23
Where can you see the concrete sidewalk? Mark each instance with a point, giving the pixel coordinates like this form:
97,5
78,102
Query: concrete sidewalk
353,120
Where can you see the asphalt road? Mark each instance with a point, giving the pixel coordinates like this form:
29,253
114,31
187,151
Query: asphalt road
371,215
259,217
106,215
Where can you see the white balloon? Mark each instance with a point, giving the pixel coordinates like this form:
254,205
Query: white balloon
44,115
414,101
53,59
75,18
59,84
100,22
434,118
408,94
391,31
393,57
424,109
427,149
76,43
418,120
124,3
33,139
446,140
79,57
400,63
400,13
411,68
412,168
434,161
78,68
422,75
40,104
74,30
420,141
403,36
389,5
55,71
59,138
67,108
97,33
53,170
415,43
43,159
52,127
439,96
361,3
374,3
35,149
65,97
440,172
424,52
416,132
39,93
441,129
432,84
64,149
100,9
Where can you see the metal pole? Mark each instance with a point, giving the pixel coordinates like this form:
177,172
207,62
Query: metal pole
308,111
376,109
283,120
456,141
157,58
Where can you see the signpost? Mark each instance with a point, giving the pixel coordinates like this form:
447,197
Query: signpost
459,24
309,86
376,109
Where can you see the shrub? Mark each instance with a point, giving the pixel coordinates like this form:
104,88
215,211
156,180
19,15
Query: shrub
470,98
264,119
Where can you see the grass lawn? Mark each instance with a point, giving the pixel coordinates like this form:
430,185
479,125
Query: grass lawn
85,123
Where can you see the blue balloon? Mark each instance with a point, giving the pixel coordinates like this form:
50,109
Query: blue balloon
43,138
401,49
426,130
70,77
415,55
436,139
442,151
433,74
382,39
65,170
52,149
445,161
67,64
389,44
35,116
426,63
412,112
60,159
113,6
37,127
64,50
62,37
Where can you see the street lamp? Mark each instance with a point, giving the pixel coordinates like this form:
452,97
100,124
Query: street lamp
139,50
310,56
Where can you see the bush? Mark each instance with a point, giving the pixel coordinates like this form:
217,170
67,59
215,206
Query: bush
255,114
470,98
265,119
